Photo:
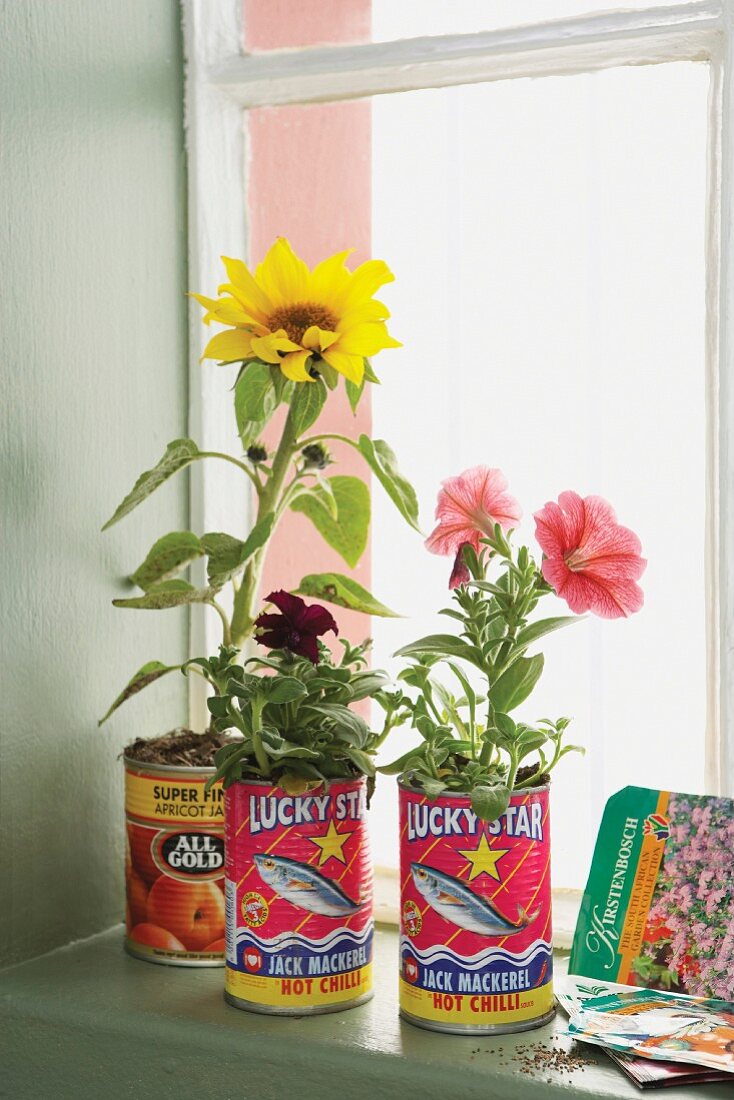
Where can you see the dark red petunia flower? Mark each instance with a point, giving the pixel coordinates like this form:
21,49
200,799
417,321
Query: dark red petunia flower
296,628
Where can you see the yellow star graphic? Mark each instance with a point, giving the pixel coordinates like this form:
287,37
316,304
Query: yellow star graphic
331,844
484,858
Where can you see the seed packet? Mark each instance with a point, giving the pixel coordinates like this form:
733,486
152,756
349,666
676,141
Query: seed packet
658,909
573,992
660,1026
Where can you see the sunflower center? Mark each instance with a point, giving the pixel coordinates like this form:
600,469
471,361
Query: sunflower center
297,317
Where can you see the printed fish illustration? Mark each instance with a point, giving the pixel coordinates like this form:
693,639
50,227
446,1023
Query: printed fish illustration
301,885
455,902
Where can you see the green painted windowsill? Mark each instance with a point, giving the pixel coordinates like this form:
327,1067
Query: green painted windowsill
88,1021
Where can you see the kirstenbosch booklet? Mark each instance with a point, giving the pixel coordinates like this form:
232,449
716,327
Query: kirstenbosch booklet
658,909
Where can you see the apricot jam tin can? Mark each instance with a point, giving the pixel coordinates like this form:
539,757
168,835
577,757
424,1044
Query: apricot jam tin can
174,867
475,914
299,898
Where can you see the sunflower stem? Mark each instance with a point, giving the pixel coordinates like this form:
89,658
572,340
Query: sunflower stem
243,614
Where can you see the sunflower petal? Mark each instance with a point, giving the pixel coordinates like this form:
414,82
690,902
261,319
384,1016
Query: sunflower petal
364,314
318,339
365,281
282,275
293,366
367,340
246,288
329,278
351,366
267,347
229,346
227,311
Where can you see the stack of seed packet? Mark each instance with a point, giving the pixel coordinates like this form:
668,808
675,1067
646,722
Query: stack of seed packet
581,999
658,914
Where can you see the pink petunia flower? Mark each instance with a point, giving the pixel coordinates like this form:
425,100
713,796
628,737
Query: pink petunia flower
590,560
469,506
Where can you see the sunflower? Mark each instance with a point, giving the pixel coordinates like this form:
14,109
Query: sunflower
293,318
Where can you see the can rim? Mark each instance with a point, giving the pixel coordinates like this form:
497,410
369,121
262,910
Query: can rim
467,794
181,769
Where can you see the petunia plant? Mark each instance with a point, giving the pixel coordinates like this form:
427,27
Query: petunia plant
293,707
469,741
290,335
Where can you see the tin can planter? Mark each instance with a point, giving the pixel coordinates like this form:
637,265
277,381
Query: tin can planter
476,937
299,899
174,870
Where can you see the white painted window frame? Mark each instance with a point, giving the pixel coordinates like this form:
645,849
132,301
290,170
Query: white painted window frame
222,82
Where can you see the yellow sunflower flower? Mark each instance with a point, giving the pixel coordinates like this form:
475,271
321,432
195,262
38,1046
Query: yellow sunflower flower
292,317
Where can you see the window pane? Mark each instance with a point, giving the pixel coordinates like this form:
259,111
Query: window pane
547,238
431,17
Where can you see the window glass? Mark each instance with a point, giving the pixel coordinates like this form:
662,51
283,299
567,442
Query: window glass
548,242
547,238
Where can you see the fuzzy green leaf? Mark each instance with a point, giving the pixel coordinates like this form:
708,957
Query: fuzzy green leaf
344,592
489,802
442,645
514,685
381,460
179,454
167,557
167,594
255,401
228,555
347,534
148,674
539,629
284,689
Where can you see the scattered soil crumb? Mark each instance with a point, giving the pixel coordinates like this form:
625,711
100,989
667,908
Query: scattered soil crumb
179,747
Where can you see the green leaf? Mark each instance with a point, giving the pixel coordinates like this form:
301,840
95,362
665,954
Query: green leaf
228,555
432,787
284,689
323,492
360,759
489,802
383,464
148,674
410,759
167,594
347,534
514,685
255,401
344,592
166,557
354,392
443,645
179,454
306,405
539,629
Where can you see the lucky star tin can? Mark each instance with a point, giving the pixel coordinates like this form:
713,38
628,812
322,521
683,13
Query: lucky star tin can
299,898
476,935
174,868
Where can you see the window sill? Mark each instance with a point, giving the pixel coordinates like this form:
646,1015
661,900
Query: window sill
88,1021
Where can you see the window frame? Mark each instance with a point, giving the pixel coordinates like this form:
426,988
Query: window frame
222,82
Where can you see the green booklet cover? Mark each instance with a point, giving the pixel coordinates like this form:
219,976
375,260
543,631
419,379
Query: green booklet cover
658,909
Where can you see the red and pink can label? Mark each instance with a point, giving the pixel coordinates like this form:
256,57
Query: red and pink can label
298,889
476,934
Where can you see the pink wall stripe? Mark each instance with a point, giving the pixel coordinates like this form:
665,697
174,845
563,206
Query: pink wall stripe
309,179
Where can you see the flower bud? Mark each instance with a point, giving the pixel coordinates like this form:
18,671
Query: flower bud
257,454
315,457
